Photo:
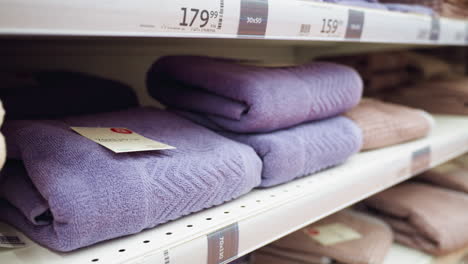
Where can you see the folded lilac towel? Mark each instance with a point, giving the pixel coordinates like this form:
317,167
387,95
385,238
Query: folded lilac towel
55,94
73,192
408,8
374,4
244,98
301,150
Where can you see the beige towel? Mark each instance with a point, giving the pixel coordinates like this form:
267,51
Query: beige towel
456,257
447,96
447,8
425,217
262,258
281,255
385,124
385,71
385,81
371,248
452,175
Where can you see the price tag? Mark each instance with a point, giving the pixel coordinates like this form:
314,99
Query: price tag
119,139
435,29
330,27
293,19
420,160
200,17
223,245
466,33
355,24
253,18
331,234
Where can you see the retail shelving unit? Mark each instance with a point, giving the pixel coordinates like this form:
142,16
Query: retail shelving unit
238,227
248,19
223,233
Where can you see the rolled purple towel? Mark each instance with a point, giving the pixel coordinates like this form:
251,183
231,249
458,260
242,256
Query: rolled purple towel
301,150
73,192
244,98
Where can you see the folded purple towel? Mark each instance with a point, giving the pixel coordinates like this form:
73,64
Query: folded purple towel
406,8
55,94
301,150
374,4
245,98
73,192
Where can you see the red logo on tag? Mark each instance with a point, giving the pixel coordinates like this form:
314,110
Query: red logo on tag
312,232
121,130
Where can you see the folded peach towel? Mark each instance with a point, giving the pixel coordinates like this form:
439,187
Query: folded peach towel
424,217
452,175
444,96
384,124
369,247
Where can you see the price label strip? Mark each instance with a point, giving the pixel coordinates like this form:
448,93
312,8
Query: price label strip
435,29
466,32
355,24
205,17
420,160
223,245
253,18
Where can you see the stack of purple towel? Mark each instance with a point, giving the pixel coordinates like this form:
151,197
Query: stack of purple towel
289,115
66,192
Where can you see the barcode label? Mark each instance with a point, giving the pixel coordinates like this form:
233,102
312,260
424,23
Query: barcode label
305,28
11,241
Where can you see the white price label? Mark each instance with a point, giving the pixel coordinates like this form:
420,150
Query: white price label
293,19
201,17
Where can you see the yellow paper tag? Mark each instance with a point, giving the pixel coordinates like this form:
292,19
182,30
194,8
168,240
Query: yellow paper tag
331,234
446,168
119,139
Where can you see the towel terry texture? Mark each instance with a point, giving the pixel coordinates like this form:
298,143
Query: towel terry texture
301,150
452,175
384,124
66,192
243,98
424,217
374,244
55,94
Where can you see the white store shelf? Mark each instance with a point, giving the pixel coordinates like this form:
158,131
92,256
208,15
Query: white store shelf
263,216
249,19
